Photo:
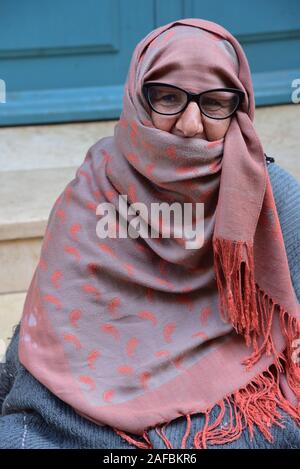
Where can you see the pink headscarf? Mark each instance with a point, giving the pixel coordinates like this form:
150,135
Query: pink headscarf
136,332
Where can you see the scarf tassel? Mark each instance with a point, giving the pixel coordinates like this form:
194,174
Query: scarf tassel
251,313
249,309
254,406
146,444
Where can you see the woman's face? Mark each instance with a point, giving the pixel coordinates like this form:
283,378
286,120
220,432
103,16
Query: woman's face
191,123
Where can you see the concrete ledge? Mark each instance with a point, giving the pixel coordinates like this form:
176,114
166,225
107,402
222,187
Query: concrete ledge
63,145
11,308
49,146
279,130
37,162
26,200
18,259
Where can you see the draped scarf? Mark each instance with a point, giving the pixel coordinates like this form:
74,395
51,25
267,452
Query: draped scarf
134,331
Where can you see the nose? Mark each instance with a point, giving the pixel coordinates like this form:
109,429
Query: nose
190,121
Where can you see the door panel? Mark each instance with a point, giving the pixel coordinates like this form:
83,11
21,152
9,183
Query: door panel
64,60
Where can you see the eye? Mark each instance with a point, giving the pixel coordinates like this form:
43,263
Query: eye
219,103
169,97
211,102
165,99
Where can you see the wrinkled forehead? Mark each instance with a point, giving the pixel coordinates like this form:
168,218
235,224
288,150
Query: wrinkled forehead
191,58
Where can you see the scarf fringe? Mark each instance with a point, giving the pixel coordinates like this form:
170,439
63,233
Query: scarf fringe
146,444
251,312
254,406
249,309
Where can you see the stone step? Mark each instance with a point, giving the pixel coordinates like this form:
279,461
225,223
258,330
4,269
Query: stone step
49,146
27,197
38,161
63,145
11,308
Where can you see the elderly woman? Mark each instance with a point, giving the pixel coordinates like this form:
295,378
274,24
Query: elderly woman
135,339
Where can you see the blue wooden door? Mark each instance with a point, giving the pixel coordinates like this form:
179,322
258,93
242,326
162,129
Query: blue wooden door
67,60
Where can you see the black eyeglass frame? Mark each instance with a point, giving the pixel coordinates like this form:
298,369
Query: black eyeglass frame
191,97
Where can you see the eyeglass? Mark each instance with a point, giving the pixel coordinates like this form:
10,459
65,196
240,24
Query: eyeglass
217,103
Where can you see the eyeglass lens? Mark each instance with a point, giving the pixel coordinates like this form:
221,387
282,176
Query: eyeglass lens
168,100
